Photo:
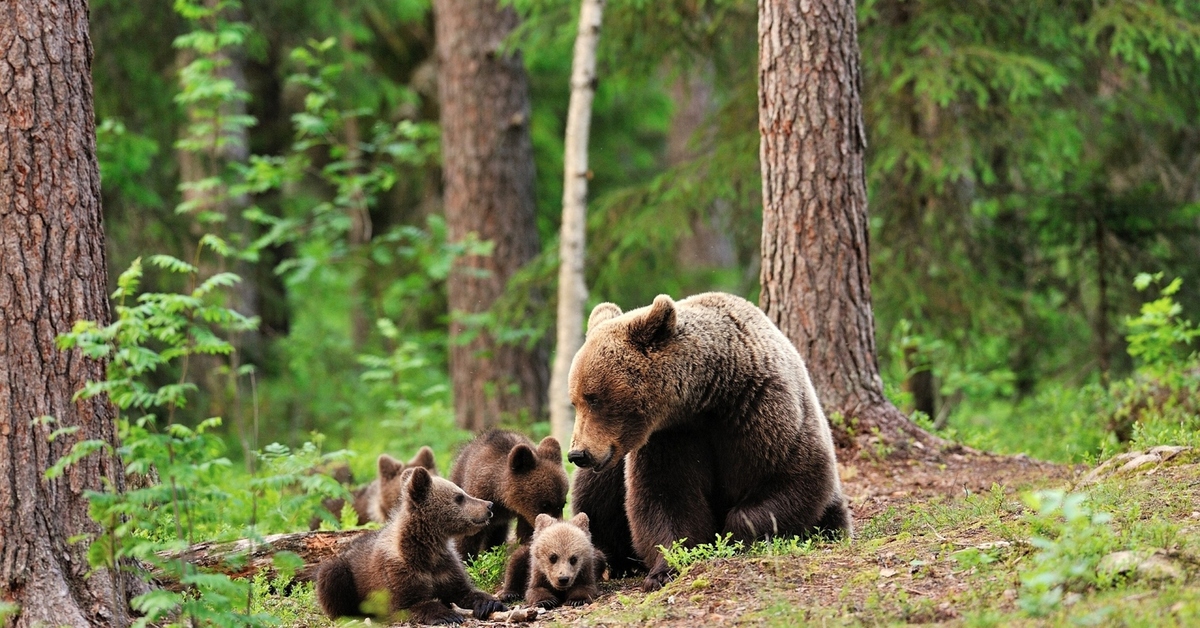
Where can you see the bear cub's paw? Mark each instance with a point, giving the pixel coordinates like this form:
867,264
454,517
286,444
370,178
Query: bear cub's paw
484,608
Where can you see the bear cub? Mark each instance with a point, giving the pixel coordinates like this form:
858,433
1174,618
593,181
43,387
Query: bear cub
409,560
564,566
375,501
522,481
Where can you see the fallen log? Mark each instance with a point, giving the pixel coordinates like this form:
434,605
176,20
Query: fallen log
245,558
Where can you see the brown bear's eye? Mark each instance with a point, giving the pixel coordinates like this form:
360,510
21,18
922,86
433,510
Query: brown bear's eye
553,558
592,401
459,499
574,560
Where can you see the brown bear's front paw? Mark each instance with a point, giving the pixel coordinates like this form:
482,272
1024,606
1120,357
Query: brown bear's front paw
453,618
547,603
579,602
508,596
484,608
655,581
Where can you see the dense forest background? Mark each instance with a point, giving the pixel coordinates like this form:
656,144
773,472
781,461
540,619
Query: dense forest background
1026,161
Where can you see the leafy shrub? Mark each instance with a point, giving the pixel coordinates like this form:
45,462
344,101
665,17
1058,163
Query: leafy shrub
1071,540
487,569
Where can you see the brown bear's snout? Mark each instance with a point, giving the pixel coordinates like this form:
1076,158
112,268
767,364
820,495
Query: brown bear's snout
580,458
563,581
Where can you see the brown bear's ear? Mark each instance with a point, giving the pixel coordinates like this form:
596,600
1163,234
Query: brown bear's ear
656,326
389,467
542,522
419,483
550,450
424,458
581,521
601,313
522,459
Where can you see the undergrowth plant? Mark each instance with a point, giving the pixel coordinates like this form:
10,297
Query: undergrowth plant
1070,539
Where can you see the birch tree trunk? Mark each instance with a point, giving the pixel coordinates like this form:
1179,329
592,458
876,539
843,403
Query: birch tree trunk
52,273
487,157
572,288
816,278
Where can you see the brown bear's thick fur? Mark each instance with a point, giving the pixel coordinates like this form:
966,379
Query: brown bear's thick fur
375,501
602,496
409,559
714,413
563,564
522,481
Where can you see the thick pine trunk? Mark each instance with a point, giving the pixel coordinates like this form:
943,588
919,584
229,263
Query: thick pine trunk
489,190
572,286
816,281
52,274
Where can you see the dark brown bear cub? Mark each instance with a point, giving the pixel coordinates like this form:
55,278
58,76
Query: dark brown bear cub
713,413
409,560
522,481
563,565
375,501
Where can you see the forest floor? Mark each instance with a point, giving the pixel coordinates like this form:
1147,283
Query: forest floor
956,542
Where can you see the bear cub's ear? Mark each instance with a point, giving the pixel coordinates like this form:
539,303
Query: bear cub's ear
389,467
655,327
549,450
419,483
424,458
542,522
522,459
581,521
601,313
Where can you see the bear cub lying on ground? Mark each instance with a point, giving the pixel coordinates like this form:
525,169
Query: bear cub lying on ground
409,560
564,566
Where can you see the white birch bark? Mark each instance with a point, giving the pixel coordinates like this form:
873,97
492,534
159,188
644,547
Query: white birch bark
572,290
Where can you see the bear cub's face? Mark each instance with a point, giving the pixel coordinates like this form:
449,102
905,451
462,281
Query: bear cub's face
614,377
391,487
442,503
562,549
537,482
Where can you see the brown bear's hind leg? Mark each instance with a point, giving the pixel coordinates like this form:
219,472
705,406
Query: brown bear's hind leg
670,486
433,612
782,516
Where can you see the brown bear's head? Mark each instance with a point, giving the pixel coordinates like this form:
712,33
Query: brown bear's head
390,484
561,549
536,481
622,381
441,505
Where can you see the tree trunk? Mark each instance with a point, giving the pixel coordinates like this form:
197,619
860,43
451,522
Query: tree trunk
489,190
572,287
710,243
52,274
816,282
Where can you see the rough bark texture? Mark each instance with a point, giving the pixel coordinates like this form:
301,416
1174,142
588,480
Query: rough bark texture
489,190
572,286
816,281
52,274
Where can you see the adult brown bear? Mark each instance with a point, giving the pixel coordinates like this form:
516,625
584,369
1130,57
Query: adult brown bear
713,412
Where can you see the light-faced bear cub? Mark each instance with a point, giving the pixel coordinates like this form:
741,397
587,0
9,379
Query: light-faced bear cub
564,566
409,561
